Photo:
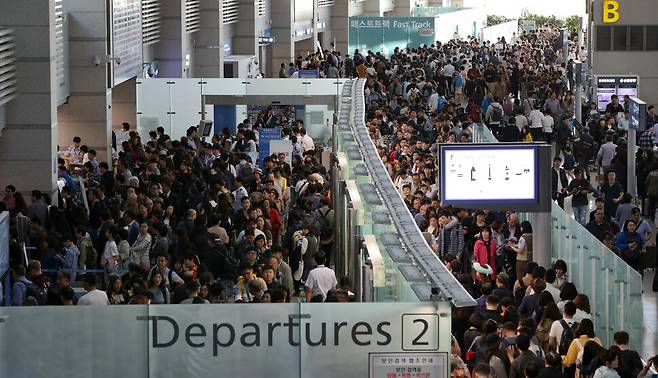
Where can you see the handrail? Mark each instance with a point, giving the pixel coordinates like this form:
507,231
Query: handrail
438,274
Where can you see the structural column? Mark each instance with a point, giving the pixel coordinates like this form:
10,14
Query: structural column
402,8
245,35
339,26
28,144
283,50
209,40
372,8
88,113
171,50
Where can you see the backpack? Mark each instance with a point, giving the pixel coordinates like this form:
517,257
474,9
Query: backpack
31,290
584,149
496,114
441,103
567,336
325,229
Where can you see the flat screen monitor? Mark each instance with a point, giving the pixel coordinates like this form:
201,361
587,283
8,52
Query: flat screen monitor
483,175
205,127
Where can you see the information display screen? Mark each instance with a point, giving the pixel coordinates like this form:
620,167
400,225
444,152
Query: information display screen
606,86
489,174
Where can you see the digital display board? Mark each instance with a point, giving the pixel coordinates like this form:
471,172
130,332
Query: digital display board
493,174
606,86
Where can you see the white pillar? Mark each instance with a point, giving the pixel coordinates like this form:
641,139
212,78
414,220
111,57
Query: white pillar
28,144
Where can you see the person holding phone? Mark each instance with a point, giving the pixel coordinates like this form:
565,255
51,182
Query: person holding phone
646,369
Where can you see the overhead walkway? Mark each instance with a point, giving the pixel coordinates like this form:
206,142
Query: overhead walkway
393,261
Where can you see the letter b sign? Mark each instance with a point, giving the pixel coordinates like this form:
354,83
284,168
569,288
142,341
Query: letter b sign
610,11
420,332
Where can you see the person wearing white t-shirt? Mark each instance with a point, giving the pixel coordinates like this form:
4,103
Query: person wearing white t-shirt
306,141
535,119
557,328
93,296
521,121
320,279
547,124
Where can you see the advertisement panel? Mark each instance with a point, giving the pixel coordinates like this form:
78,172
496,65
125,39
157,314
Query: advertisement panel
384,34
492,174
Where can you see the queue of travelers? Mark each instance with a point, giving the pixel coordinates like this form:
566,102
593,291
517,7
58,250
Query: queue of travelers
529,320
189,221
180,221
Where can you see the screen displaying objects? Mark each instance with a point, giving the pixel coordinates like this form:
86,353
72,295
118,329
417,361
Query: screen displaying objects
505,174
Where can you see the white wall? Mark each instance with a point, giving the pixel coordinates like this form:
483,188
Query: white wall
445,25
158,97
123,104
492,33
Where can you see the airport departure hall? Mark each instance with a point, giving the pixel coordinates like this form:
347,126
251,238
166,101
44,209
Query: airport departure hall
328,188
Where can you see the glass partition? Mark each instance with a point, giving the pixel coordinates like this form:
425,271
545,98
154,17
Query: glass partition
613,287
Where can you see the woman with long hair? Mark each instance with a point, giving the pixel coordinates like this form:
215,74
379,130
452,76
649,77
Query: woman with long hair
610,360
157,287
114,290
496,358
550,314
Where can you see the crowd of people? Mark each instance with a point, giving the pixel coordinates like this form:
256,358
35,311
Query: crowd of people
180,221
530,320
190,221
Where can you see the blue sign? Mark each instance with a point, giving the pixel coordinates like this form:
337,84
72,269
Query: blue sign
264,138
309,74
638,114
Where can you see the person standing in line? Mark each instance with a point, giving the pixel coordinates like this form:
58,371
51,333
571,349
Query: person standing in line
559,182
320,279
93,296
579,189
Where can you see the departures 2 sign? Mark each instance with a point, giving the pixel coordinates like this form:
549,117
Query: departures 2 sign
260,338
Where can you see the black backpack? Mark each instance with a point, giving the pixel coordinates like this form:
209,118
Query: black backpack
568,334
325,228
31,290
496,114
